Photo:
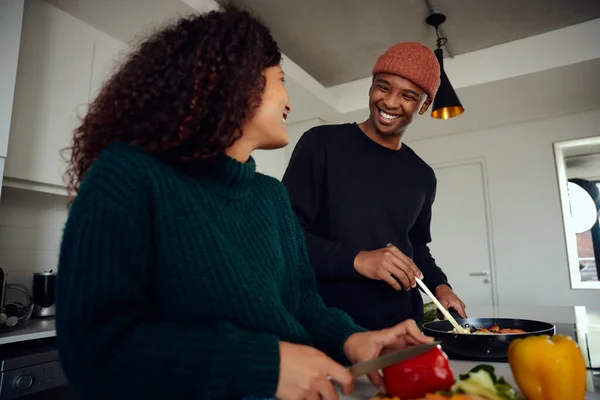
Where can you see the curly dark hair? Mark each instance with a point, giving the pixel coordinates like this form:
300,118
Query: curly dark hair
183,93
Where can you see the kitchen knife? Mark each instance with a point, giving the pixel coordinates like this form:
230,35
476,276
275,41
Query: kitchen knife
375,364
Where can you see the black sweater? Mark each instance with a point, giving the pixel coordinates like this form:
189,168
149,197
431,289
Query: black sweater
351,194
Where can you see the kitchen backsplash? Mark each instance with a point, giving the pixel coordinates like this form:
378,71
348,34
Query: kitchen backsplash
31,225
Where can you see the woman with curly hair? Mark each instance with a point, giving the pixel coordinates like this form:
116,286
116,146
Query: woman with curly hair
183,272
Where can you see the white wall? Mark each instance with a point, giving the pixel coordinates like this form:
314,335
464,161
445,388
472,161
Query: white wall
31,225
295,131
270,162
528,235
274,162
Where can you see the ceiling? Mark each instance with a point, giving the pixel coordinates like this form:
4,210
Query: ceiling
338,41
548,75
126,20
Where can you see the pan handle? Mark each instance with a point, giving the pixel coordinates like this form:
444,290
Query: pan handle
455,314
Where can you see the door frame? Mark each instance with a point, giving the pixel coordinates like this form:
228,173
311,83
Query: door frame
482,163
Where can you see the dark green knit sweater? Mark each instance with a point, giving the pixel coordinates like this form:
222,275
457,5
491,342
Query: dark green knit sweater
180,286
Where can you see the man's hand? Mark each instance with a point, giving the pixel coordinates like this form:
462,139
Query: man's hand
449,300
390,265
365,346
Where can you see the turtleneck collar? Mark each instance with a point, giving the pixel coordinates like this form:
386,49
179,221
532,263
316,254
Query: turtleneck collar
233,173
226,176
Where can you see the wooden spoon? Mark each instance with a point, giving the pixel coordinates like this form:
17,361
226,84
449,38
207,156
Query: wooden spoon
455,324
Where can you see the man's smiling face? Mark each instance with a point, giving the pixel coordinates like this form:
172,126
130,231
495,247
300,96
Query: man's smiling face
393,102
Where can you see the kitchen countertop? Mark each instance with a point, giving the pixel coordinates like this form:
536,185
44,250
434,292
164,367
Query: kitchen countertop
364,390
36,328
581,323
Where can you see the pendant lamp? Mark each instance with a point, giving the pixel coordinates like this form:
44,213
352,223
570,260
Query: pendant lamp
446,104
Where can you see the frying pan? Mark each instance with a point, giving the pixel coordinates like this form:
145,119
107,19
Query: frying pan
484,346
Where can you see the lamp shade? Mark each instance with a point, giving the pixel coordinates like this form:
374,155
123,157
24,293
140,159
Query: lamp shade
446,103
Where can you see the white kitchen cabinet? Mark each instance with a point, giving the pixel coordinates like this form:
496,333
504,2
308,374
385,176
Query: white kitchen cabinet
1,175
62,61
108,52
53,80
11,19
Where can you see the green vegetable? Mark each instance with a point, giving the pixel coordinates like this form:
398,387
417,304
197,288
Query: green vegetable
506,391
478,383
430,314
482,381
482,367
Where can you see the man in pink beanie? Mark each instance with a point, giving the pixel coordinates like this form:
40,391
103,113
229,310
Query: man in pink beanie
364,199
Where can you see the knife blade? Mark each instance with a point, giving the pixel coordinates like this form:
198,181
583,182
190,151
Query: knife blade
386,360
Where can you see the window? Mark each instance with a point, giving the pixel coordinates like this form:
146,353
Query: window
578,170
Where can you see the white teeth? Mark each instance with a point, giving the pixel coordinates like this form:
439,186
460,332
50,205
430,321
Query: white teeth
284,120
388,116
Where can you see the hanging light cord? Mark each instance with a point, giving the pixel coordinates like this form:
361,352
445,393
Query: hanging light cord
441,41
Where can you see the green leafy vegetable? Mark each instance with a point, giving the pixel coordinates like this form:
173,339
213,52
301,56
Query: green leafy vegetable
478,383
505,391
482,367
430,314
482,381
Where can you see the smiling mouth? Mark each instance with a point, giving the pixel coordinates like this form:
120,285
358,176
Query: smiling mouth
388,116
285,115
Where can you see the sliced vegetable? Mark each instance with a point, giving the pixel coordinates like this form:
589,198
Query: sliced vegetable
548,368
481,367
482,381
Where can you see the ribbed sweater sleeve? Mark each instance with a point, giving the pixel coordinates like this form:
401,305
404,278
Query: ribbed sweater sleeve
111,337
329,327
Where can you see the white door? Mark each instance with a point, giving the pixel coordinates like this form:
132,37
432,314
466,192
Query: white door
460,231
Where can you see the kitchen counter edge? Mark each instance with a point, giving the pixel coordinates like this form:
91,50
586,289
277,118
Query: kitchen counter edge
35,329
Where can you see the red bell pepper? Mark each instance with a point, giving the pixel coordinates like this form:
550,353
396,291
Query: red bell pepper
414,378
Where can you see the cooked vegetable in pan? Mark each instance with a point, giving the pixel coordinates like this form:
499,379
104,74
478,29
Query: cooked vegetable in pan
494,329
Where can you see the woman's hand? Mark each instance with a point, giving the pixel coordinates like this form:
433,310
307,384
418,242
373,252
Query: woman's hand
365,346
305,373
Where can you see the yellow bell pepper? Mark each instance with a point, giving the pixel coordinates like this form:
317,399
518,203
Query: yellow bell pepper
548,368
